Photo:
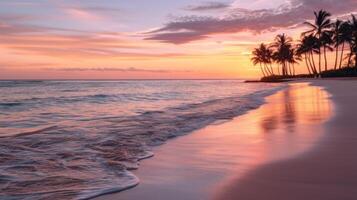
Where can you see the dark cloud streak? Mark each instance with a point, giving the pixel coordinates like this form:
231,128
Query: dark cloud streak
207,6
104,69
293,13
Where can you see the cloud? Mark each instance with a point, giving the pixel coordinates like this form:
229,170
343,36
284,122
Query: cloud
90,13
16,64
82,14
206,6
104,69
101,9
292,13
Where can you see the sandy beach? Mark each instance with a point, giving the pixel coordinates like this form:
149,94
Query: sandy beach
289,145
328,171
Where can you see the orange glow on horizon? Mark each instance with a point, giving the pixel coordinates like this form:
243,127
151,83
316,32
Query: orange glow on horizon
55,56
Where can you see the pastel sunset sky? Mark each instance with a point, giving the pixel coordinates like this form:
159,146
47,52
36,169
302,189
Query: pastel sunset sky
146,39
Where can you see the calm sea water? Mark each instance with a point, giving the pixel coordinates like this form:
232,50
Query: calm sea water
79,139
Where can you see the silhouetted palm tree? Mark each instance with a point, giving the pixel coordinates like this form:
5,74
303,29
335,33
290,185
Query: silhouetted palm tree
353,41
322,36
336,38
345,37
311,44
282,45
268,58
257,59
294,57
303,50
307,46
349,38
319,28
263,57
326,42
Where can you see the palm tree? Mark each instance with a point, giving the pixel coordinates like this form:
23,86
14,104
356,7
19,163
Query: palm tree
303,50
326,42
306,47
263,56
345,37
293,59
353,43
336,38
322,36
268,58
309,45
319,28
257,59
349,37
282,45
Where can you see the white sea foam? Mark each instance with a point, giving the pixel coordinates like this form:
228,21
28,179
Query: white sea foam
77,140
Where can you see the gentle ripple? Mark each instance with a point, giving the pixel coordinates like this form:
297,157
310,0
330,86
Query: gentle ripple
80,139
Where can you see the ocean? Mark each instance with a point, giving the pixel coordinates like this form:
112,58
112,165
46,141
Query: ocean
81,139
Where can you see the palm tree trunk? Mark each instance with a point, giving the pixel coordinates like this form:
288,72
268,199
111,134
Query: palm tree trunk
341,58
267,69
349,59
320,61
350,56
313,62
278,70
272,70
261,69
287,68
307,64
336,56
325,58
283,69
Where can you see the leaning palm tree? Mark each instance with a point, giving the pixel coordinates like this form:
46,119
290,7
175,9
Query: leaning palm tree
350,33
336,38
353,41
258,58
282,45
313,47
326,42
294,58
268,58
321,26
290,61
345,37
304,47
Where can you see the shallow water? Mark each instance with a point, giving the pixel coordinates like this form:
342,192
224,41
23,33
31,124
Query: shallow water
214,159
78,139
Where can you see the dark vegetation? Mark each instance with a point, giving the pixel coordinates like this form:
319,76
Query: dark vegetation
323,36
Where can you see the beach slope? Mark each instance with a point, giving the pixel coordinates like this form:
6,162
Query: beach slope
209,162
327,172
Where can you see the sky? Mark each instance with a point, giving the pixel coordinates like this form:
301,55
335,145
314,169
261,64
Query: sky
141,39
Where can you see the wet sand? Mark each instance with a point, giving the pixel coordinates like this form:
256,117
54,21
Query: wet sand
327,172
222,160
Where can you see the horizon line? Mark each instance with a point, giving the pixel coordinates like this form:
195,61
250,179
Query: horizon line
163,79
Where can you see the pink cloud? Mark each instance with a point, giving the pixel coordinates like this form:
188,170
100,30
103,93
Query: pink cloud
291,14
82,14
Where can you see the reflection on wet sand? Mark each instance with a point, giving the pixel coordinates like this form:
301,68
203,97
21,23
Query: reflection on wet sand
201,164
297,105
290,124
288,120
